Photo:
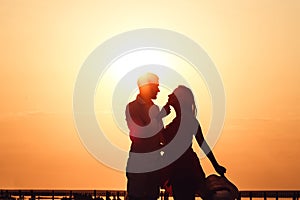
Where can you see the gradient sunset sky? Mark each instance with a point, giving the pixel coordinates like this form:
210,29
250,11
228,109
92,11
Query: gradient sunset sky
255,46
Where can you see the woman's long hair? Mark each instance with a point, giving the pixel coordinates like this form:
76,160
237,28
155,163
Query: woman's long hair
186,99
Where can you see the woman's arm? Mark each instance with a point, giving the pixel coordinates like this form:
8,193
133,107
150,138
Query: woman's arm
208,152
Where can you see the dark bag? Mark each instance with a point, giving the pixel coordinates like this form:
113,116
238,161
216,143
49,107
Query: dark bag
221,188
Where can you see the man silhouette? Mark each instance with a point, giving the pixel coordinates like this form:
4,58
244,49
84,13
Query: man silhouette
144,120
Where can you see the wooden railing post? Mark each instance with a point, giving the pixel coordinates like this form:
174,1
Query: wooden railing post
95,194
166,195
107,195
53,195
295,196
32,195
118,196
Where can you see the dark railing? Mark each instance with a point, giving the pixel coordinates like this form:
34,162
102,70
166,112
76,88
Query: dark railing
121,194
270,194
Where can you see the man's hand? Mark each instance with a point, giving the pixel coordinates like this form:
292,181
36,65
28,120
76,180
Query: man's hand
165,111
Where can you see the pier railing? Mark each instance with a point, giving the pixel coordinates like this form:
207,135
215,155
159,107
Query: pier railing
121,194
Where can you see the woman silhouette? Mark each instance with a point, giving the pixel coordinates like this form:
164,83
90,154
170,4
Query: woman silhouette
186,175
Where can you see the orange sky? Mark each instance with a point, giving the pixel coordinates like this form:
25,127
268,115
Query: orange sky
254,44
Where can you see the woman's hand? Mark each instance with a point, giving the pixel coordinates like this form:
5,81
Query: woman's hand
220,170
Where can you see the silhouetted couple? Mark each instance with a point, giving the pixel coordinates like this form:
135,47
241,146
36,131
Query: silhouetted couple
148,136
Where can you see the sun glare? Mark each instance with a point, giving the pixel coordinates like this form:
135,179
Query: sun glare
118,85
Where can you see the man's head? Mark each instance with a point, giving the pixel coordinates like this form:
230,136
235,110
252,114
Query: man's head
148,85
